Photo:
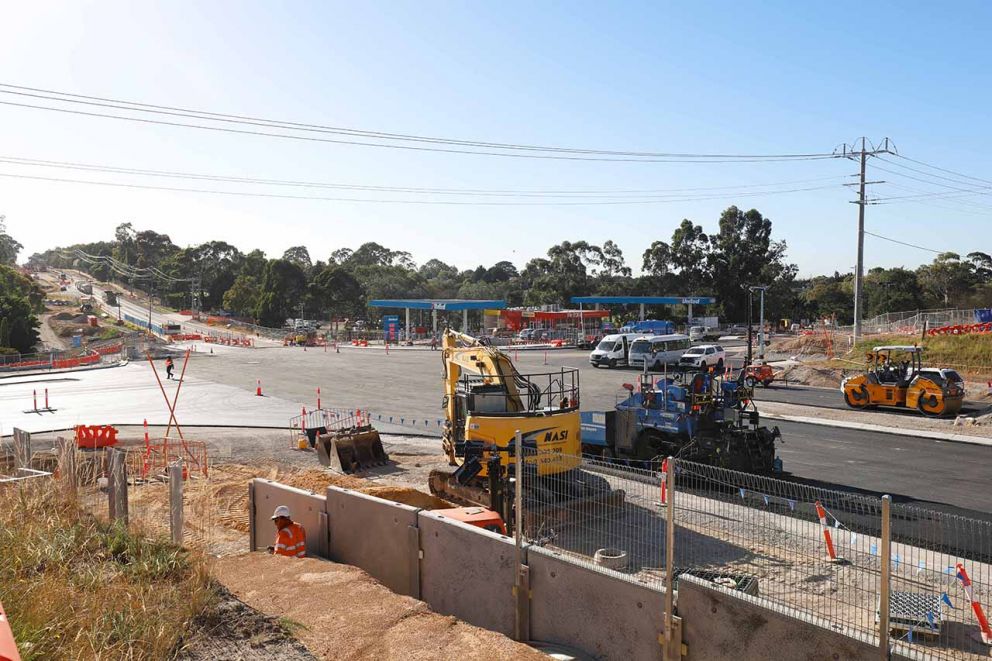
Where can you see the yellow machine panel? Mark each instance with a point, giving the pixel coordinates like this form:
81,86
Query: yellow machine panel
551,441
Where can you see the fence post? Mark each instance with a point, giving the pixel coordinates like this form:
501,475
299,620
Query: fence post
176,501
252,545
22,449
67,464
521,582
672,647
117,485
885,581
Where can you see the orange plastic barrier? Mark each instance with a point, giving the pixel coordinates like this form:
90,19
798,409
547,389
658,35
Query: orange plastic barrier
92,437
962,329
8,648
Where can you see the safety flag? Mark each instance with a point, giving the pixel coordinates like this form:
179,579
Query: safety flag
946,600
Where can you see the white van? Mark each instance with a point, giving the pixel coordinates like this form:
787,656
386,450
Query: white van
612,350
657,350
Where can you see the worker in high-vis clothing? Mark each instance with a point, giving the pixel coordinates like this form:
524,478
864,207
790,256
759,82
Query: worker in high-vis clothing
291,538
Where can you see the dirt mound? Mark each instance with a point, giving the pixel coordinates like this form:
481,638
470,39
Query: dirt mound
63,316
407,496
346,614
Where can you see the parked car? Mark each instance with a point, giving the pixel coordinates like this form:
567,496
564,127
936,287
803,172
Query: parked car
704,356
526,334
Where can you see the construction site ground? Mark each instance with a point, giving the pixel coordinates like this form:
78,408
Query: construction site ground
340,612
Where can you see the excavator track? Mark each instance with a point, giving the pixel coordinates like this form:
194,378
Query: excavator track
443,486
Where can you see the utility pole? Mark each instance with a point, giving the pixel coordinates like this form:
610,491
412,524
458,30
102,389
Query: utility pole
750,330
761,320
848,151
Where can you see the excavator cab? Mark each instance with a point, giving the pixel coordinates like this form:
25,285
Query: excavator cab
895,377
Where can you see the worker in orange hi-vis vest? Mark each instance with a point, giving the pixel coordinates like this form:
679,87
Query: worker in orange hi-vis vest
291,538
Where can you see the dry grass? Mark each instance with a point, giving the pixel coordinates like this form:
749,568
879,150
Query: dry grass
75,587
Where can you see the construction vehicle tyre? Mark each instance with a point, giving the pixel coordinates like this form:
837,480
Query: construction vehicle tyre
767,383
857,399
927,404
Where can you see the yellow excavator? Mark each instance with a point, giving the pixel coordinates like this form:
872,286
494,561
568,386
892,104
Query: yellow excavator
486,401
895,377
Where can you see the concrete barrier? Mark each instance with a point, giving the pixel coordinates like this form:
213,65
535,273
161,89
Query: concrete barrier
308,509
378,535
594,611
720,624
467,572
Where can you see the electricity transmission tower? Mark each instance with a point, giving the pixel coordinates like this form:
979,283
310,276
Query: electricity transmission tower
862,153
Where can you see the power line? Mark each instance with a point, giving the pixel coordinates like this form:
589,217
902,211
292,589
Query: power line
936,167
505,149
418,202
903,243
587,193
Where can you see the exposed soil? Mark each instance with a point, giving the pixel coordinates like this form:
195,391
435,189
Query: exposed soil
343,613
232,630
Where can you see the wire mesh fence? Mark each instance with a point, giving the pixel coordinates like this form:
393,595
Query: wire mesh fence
607,516
816,552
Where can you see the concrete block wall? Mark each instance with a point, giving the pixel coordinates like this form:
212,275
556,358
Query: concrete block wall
378,535
469,573
720,624
592,610
308,509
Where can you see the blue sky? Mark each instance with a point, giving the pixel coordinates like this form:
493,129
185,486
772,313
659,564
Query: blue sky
720,77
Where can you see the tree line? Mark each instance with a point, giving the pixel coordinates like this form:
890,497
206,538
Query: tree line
20,300
739,253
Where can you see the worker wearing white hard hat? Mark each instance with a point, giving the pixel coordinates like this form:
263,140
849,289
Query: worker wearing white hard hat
291,538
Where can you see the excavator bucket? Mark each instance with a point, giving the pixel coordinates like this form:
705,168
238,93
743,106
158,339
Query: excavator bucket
351,450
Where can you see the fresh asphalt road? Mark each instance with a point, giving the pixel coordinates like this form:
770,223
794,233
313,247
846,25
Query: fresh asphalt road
927,472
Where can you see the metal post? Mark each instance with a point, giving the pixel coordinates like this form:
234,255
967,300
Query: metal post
761,333
518,490
750,330
465,320
521,579
408,335
689,324
176,501
885,581
669,551
642,312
